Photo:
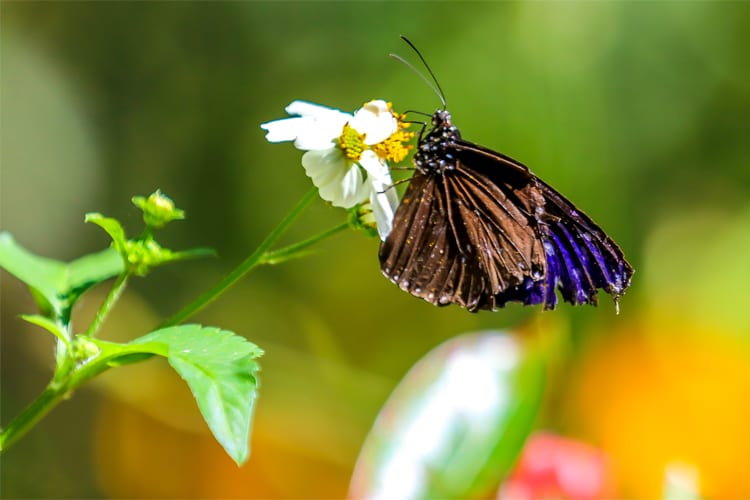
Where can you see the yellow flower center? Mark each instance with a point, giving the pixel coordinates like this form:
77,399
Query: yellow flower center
393,148
352,143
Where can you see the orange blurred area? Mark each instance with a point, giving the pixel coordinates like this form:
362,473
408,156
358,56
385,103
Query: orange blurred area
673,397
141,457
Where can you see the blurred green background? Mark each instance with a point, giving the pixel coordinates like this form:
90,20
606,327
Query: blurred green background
637,111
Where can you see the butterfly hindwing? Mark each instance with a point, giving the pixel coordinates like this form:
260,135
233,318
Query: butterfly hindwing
581,258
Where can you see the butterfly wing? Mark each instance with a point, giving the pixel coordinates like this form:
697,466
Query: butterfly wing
459,238
580,257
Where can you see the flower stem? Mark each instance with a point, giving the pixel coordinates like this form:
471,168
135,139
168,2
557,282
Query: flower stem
112,297
296,250
245,267
28,418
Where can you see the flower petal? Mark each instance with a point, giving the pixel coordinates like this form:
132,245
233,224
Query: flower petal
375,120
337,179
323,127
375,166
284,130
384,201
316,127
316,111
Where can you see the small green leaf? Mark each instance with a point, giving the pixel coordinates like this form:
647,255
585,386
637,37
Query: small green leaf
45,276
112,227
93,268
56,285
47,324
221,370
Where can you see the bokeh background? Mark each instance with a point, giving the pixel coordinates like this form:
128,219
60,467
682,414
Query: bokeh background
637,111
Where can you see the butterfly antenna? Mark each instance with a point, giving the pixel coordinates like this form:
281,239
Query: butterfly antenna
434,84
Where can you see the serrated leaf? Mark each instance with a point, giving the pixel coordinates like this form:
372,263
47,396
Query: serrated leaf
221,370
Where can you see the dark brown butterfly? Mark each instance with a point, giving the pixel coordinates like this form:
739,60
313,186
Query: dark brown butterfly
478,229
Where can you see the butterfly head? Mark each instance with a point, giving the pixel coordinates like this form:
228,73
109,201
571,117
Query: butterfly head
441,118
435,151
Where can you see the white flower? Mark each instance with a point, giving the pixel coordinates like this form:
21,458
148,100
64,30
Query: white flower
346,155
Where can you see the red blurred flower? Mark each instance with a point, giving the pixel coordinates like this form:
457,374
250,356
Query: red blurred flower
555,467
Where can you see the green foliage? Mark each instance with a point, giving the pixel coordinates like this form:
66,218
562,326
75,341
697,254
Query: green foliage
57,285
47,324
221,370
219,366
140,255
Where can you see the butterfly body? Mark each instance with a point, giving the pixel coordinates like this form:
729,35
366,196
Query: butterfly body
477,229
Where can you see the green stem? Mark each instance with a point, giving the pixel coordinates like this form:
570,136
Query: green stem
28,418
292,251
245,267
106,307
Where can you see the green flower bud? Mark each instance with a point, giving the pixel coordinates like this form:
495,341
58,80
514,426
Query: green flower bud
158,209
362,217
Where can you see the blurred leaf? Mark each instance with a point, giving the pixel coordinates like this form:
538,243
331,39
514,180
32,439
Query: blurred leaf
94,268
46,276
47,324
54,284
112,227
221,370
456,423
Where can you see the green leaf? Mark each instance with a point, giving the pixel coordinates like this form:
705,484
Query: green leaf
112,227
94,268
48,325
456,423
56,285
221,370
45,276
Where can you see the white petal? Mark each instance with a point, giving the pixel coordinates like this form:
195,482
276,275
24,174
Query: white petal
384,201
284,130
325,126
316,111
376,167
337,179
317,127
317,136
376,121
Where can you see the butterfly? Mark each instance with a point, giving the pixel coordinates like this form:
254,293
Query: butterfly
478,229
